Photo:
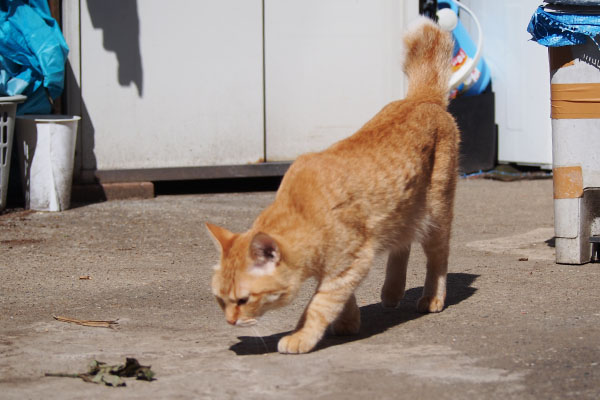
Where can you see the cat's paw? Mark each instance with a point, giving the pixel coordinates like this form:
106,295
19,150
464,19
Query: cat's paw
428,304
296,343
390,301
390,298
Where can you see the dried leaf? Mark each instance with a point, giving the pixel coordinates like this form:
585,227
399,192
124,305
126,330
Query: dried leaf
85,278
144,374
109,379
134,369
111,375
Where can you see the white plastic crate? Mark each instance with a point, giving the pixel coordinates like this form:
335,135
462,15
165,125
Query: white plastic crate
8,109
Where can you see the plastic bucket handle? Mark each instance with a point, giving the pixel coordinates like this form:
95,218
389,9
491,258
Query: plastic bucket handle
463,73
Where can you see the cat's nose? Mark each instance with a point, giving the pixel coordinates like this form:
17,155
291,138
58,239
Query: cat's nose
231,321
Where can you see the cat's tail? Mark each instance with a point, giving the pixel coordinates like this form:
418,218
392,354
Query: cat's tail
427,61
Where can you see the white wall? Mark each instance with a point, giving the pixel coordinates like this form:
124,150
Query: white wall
180,83
330,66
520,79
183,89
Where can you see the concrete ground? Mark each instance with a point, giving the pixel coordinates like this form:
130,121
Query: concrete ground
516,326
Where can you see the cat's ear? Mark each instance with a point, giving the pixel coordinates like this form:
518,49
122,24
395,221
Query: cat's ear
265,254
221,236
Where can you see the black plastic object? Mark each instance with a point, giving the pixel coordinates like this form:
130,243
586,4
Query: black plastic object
476,120
428,8
595,241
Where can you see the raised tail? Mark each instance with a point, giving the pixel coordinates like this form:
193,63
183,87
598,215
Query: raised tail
427,62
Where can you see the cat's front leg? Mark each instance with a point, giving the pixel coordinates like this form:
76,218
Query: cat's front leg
298,343
323,309
305,339
334,298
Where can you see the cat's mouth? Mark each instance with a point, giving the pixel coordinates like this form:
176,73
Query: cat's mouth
246,322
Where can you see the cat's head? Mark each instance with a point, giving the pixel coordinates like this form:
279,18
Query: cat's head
252,275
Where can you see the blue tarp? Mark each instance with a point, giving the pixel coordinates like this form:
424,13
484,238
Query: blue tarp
563,29
33,53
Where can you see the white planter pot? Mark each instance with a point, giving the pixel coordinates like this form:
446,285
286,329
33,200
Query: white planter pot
46,147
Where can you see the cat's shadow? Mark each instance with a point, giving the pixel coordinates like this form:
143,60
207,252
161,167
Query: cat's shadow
375,318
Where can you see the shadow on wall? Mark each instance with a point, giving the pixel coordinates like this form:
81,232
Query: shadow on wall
120,26
85,159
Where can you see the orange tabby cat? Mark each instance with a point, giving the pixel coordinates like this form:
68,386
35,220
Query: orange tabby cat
389,184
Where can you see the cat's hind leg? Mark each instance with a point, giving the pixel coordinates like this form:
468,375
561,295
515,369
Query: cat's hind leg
395,277
436,247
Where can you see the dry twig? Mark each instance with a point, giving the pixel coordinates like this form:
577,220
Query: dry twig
96,324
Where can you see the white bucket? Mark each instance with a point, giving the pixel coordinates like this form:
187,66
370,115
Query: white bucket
46,148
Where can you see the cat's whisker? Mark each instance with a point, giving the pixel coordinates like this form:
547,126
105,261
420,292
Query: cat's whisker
246,322
260,337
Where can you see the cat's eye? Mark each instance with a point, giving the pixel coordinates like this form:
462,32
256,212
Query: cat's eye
243,301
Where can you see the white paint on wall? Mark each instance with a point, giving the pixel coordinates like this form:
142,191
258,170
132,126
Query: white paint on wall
330,66
181,84
190,94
